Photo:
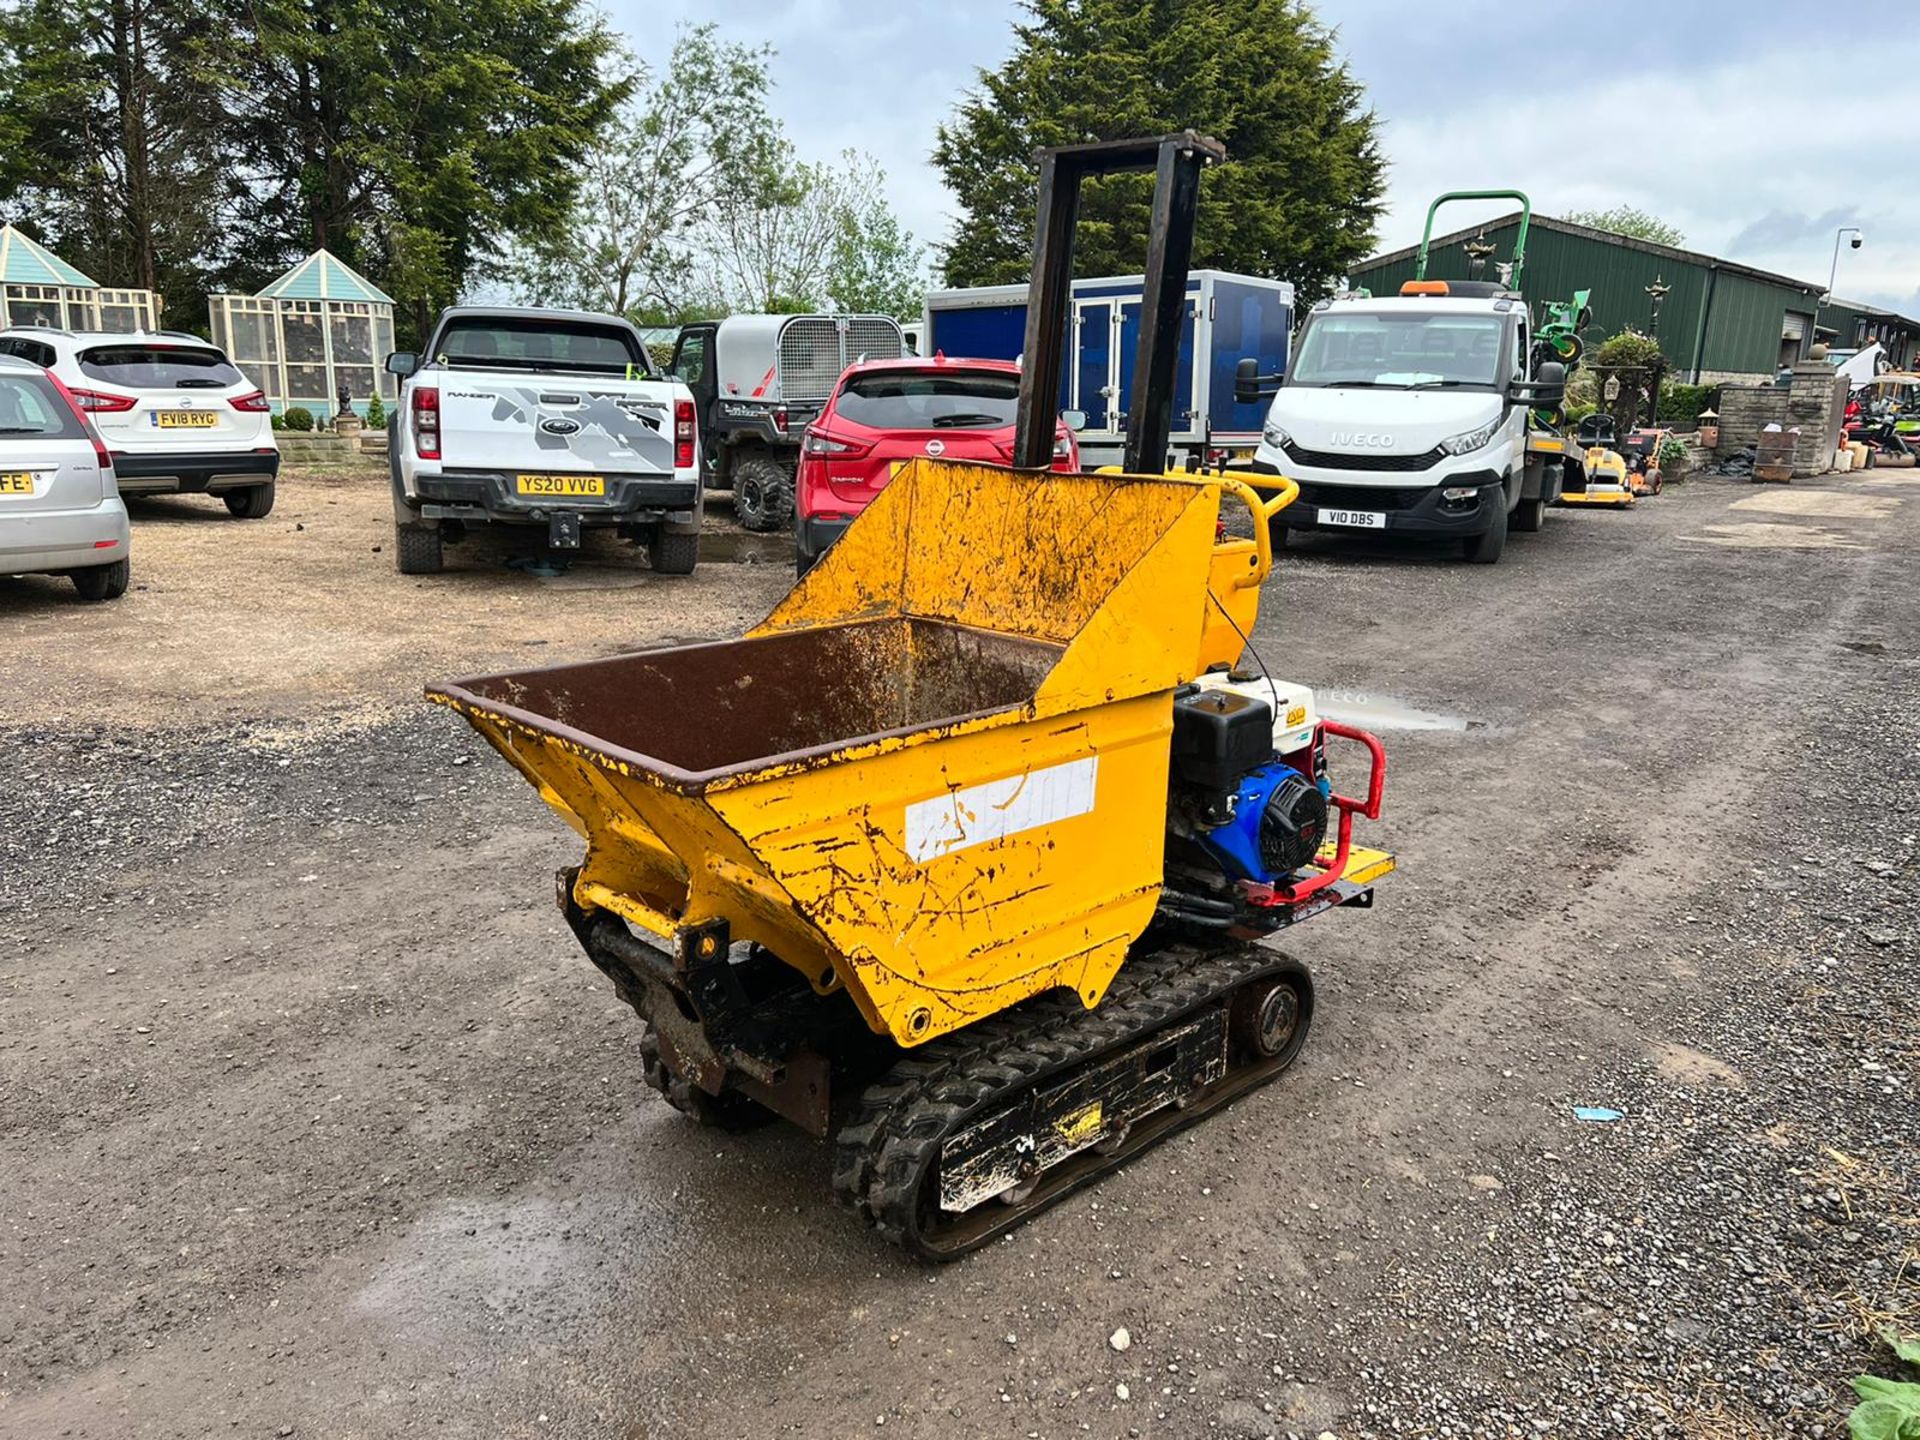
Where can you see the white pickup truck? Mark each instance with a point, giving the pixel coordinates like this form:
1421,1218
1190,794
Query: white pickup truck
553,419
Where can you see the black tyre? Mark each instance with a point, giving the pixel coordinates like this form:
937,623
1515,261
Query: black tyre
1487,549
1529,515
416,549
732,1111
252,503
674,553
762,493
102,582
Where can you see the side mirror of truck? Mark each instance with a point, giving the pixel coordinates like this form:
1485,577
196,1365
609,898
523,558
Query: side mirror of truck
1548,386
402,363
1075,420
1246,382
1250,387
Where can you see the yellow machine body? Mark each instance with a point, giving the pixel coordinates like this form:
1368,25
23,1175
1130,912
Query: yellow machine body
1607,483
936,775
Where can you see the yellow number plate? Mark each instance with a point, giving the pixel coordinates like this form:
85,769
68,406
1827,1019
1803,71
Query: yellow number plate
186,419
16,483
561,485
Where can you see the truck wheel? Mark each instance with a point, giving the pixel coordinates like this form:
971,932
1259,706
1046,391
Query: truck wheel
762,493
674,553
416,549
1528,515
732,1111
252,503
102,582
1486,549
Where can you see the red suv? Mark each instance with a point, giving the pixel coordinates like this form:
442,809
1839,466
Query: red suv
886,412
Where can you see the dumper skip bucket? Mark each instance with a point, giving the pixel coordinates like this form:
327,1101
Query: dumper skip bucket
936,776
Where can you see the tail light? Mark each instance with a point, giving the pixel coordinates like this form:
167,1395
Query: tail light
683,434
818,444
100,400
101,456
426,421
780,419
254,404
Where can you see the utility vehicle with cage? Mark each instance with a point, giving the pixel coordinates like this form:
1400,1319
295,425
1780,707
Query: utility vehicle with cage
757,382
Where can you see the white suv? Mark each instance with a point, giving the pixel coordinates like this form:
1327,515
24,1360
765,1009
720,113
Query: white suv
176,414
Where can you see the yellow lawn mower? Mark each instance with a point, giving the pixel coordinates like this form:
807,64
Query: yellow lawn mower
1596,472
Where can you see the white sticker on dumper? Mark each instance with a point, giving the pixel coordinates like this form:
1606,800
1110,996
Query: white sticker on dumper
999,808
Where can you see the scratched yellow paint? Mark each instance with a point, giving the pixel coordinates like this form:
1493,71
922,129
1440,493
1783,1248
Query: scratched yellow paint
821,861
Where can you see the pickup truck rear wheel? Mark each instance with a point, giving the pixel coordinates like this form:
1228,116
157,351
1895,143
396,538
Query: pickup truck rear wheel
416,549
673,552
252,503
762,493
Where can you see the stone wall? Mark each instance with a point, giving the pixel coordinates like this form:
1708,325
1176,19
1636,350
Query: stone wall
1746,410
1816,403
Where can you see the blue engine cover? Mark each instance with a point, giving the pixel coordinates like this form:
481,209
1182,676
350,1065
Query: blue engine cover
1236,844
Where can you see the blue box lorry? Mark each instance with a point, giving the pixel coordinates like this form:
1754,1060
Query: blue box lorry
1229,317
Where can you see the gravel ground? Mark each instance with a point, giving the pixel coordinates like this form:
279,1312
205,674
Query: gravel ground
316,1123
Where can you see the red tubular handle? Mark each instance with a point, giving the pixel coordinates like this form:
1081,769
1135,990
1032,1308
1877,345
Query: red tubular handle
1376,774
1348,808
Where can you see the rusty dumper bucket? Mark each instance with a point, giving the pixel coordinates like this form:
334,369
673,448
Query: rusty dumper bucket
935,777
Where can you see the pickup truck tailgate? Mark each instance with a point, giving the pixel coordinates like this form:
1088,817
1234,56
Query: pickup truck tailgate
560,426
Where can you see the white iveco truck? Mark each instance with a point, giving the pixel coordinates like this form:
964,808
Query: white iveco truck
1411,414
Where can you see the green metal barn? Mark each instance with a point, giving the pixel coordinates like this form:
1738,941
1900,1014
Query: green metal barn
1718,320
1854,326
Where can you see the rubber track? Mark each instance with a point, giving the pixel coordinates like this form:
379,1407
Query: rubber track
899,1122
731,1112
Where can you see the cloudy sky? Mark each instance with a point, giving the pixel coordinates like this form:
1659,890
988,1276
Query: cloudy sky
1724,117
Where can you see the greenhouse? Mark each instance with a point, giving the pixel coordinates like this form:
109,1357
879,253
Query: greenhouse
319,330
37,287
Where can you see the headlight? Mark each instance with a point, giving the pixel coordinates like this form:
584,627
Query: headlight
1275,436
1471,441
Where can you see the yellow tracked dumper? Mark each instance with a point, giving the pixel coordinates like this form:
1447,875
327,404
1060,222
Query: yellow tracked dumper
962,856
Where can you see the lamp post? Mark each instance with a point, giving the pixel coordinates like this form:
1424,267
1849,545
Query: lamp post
1833,270
1656,292
1478,249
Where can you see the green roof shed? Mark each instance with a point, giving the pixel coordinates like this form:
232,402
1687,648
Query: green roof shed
1718,320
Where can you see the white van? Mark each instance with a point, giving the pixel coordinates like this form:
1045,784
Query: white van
1408,414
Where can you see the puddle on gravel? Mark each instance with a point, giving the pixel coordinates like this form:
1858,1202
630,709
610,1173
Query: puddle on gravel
741,547
1382,712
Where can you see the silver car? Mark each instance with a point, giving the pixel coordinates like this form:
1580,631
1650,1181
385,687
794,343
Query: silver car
60,510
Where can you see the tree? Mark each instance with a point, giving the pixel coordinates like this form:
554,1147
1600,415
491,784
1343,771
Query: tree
1635,224
674,149
1297,197
789,235
414,140
108,124
877,267
1636,361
